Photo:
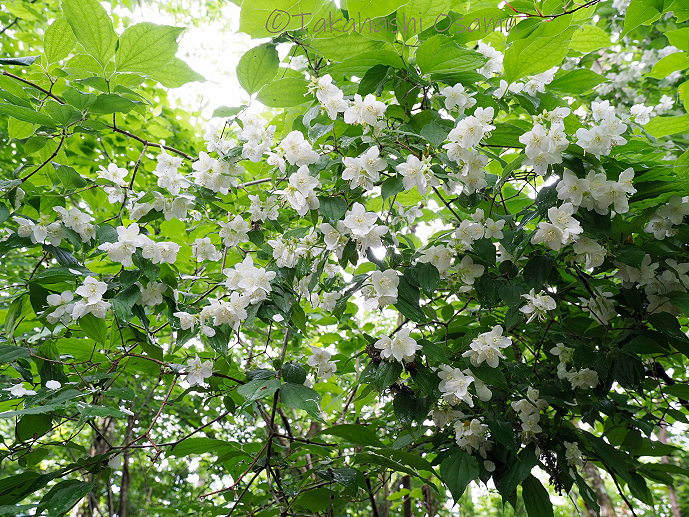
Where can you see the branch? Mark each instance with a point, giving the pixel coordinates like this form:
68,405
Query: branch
59,146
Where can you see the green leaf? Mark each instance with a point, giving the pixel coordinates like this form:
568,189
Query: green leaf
669,64
362,63
224,111
26,114
175,74
457,471
267,18
107,103
4,213
640,12
589,38
284,93
387,373
92,27
146,47
356,434
344,46
32,427
257,389
405,406
503,433
506,135
293,373
408,301
9,353
21,61
70,178
373,8
428,277
663,126
95,328
517,472
434,133
537,271
577,81
536,498
391,186
678,390
58,40
299,396
545,48
441,54
123,303
257,67
679,38
63,114
63,496
332,208
199,445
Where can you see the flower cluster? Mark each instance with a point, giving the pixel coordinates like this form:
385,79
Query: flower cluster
129,239
91,292
487,347
320,359
530,412
584,378
401,347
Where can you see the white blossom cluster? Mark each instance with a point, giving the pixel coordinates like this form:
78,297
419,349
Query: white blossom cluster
544,146
537,305
364,170
596,192
257,137
320,359
471,436
487,347
91,292
529,410
129,239
601,138
401,347
584,378
667,216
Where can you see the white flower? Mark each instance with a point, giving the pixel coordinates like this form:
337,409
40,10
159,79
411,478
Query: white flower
641,113
53,385
186,321
573,455
468,272
385,285
549,234
114,174
359,221
440,256
318,356
364,111
92,290
203,249
537,305
456,97
400,347
198,371
454,385
18,390
486,347
589,252
467,133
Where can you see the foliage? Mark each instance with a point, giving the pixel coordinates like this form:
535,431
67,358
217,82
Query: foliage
511,204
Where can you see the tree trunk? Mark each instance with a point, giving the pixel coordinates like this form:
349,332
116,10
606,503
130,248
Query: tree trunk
406,504
606,507
671,491
124,486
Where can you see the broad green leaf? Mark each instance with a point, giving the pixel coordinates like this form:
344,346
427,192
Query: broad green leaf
332,208
387,374
363,9
577,81
19,128
92,27
391,186
640,12
356,434
224,111
441,54
344,46
95,328
429,277
589,38
268,18
669,64
360,64
294,373
21,61
545,48
536,498
457,471
679,38
299,396
257,389
200,445
663,126
26,114
63,496
517,472
107,103
175,74
678,390
146,47
257,67
58,40
9,353
434,133
284,93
